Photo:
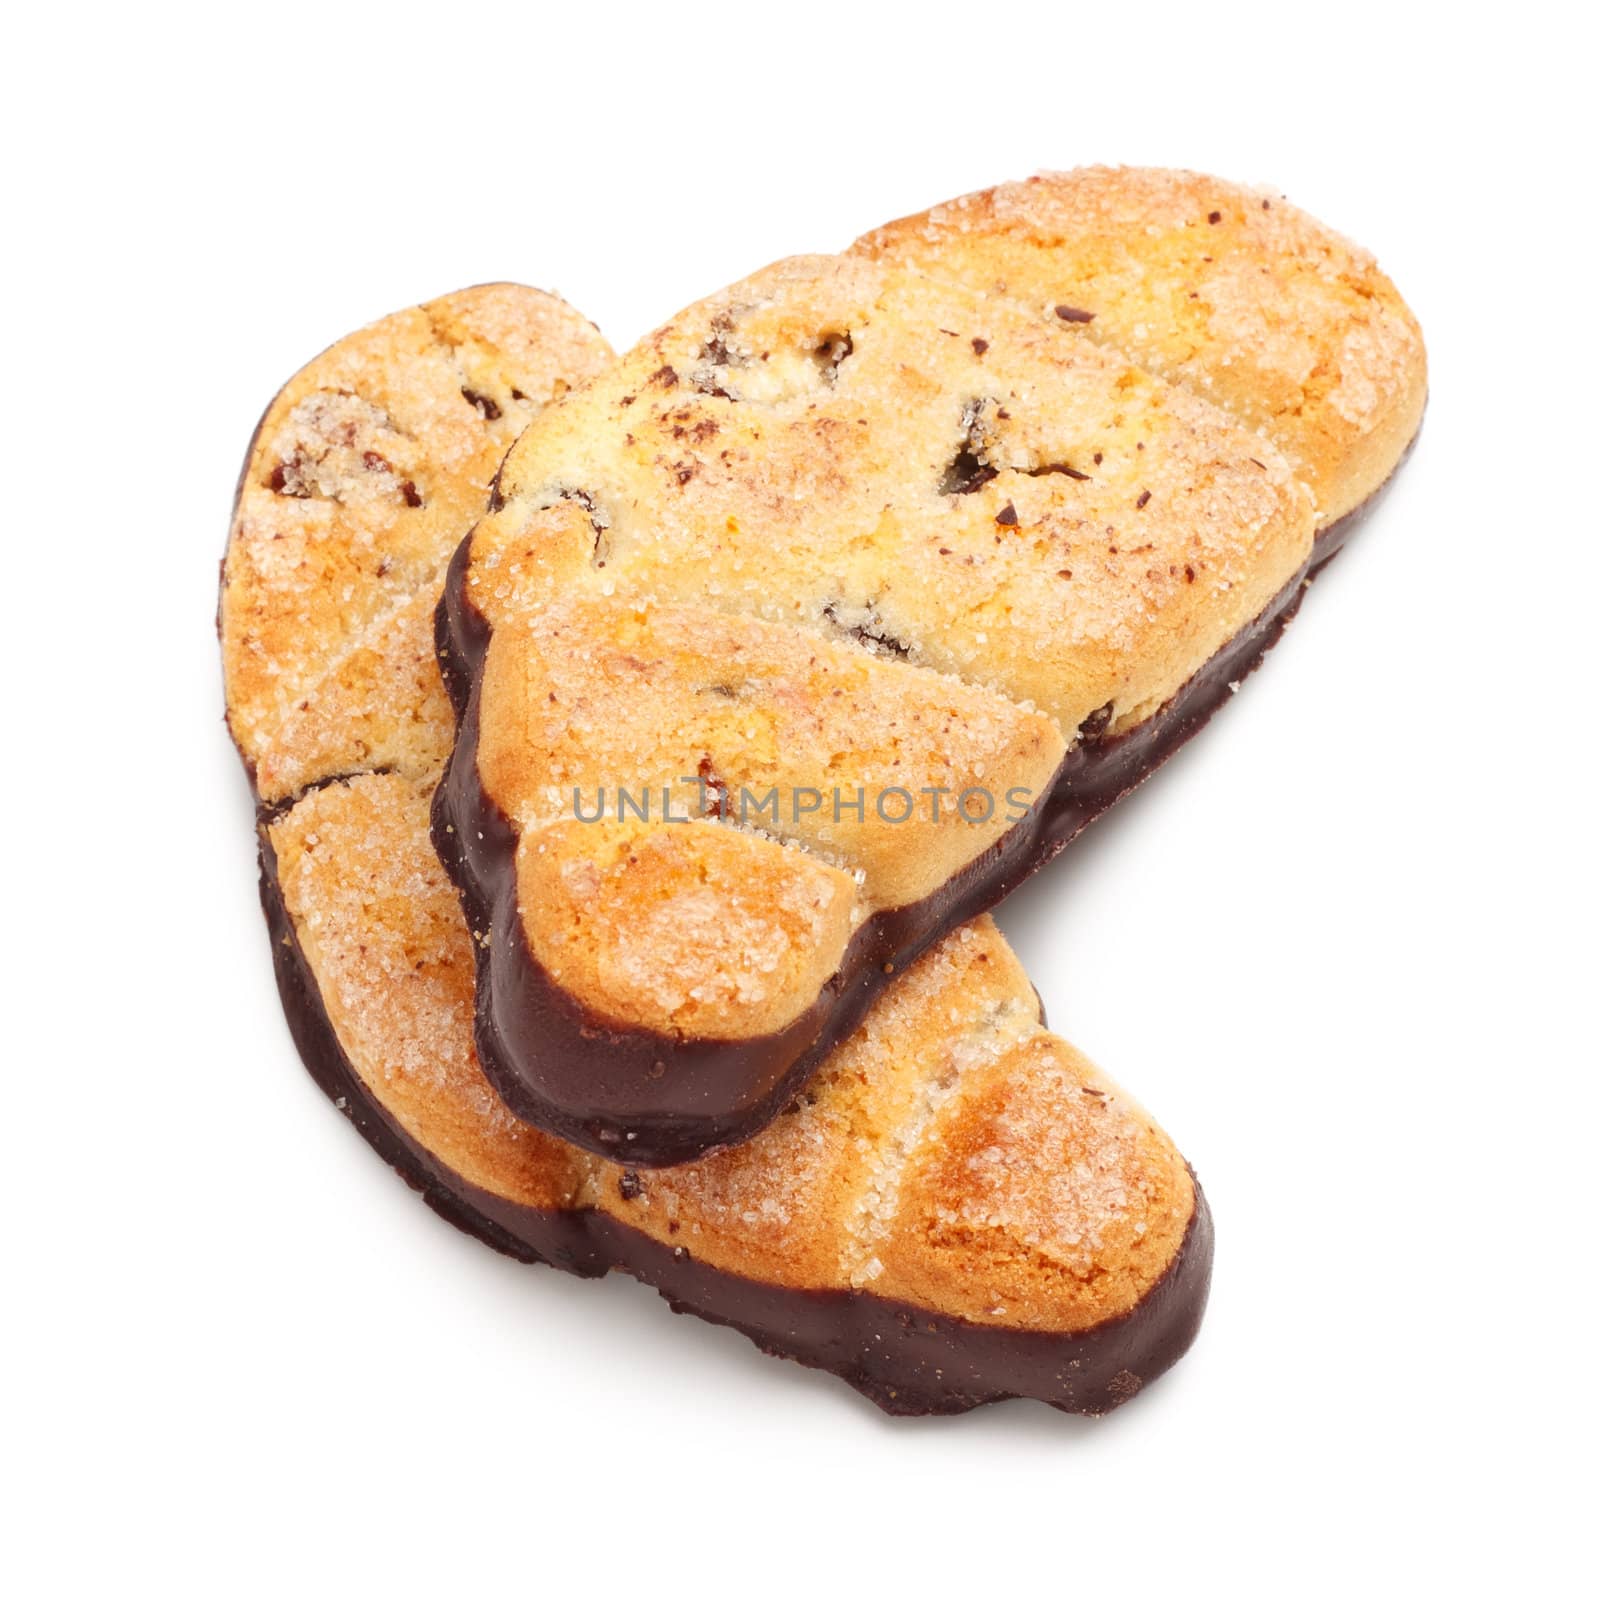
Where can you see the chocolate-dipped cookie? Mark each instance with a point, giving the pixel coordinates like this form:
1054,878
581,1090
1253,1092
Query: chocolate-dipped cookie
958,1209
810,628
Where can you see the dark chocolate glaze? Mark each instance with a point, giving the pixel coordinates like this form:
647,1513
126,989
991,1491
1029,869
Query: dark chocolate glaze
905,1359
656,1100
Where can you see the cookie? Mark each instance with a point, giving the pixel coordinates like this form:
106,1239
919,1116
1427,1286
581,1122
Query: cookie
1232,292
957,1210
801,635
364,473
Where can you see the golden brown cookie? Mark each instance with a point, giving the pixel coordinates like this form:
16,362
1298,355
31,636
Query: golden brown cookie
959,1208
803,634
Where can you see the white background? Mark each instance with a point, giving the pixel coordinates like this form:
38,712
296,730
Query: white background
1344,946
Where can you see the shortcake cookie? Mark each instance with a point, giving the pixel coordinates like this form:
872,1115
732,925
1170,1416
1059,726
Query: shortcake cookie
809,628
959,1208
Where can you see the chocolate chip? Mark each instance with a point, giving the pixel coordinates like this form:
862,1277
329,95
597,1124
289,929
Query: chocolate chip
968,471
1007,515
485,406
966,474
286,480
832,352
1214,218
408,493
714,790
1188,574
599,522
1073,314
979,346
1092,729
1143,500
869,632
715,349
715,353
629,1186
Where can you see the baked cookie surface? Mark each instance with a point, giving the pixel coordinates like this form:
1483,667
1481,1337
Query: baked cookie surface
1230,291
959,1209
858,531
365,471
